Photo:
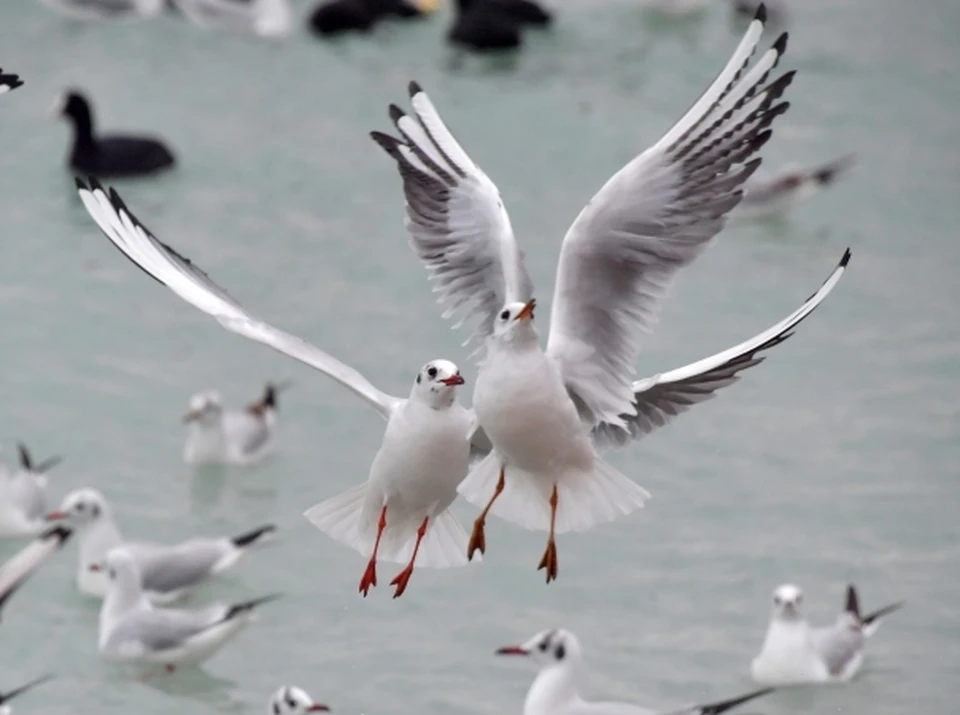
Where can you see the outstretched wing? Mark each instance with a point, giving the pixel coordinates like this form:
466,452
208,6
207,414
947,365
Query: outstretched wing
185,279
660,398
655,216
20,566
457,222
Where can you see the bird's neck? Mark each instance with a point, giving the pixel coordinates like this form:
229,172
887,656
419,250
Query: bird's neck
82,120
553,688
96,540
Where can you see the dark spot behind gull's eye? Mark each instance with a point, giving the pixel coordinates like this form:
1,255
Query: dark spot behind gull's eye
560,652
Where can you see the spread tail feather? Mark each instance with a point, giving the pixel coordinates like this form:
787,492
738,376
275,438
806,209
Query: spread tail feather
583,499
342,518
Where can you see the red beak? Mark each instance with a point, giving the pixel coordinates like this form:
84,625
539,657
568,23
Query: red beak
527,311
56,516
454,380
318,707
96,568
512,650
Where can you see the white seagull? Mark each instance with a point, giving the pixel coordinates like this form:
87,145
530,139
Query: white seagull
107,9
19,567
555,691
267,18
133,630
776,195
23,496
400,514
793,652
219,436
9,695
9,82
291,700
169,571
653,217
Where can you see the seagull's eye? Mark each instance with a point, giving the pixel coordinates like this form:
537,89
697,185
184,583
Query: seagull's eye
505,315
543,646
776,600
112,574
81,506
432,372
292,703
560,652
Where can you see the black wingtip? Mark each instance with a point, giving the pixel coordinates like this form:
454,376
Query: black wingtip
396,114
881,612
250,537
852,603
846,258
25,461
724,705
60,533
781,44
4,697
414,88
246,606
761,13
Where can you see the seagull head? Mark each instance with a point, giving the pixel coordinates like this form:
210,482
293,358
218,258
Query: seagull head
514,323
205,408
436,384
554,648
787,600
291,700
80,508
121,569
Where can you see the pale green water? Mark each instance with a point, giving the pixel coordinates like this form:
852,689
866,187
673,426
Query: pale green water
833,461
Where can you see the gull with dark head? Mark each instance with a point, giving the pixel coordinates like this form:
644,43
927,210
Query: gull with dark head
221,436
291,700
401,513
546,411
555,690
794,652
9,82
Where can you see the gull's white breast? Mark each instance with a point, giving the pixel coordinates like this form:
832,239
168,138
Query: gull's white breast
524,408
788,656
424,456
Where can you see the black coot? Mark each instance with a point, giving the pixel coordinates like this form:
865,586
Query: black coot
108,156
491,25
338,16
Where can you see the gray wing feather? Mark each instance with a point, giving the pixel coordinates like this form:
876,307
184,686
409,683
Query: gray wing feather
163,629
456,219
170,568
655,216
661,398
838,645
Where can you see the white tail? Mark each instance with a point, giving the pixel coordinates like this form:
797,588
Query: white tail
343,518
583,499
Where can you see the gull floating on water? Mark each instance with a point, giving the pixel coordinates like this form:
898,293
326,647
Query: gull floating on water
219,436
133,630
291,700
794,652
107,9
267,18
169,571
23,496
9,695
555,691
19,567
767,197
655,216
400,514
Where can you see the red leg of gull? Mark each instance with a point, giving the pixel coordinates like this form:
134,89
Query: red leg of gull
477,539
369,577
403,577
549,560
